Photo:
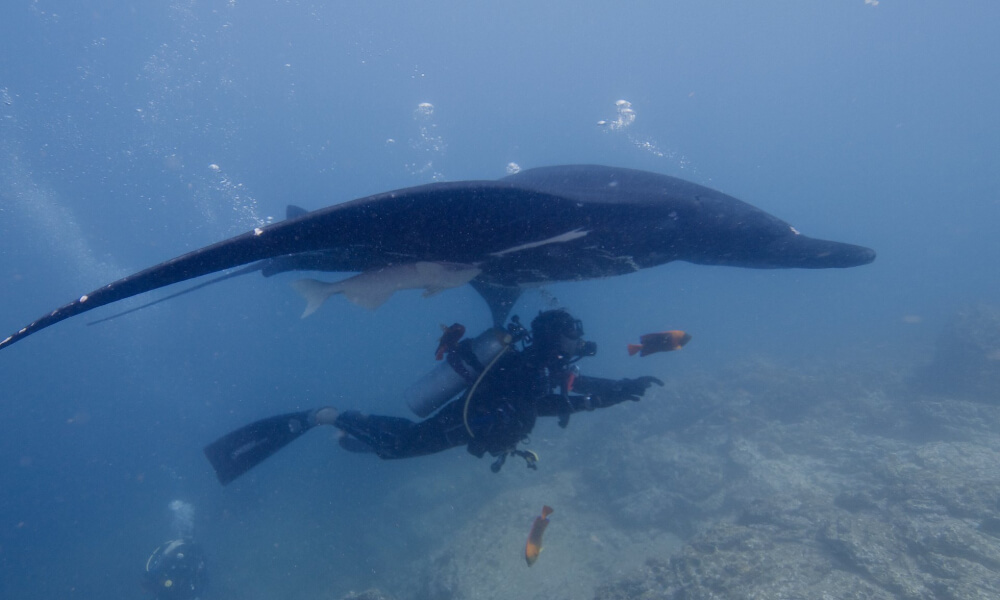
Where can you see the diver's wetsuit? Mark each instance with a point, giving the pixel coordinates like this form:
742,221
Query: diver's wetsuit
501,413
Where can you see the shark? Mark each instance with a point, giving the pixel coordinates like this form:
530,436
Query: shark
538,226
372,289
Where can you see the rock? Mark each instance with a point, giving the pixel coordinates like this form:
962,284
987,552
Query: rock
372,594
957,479
741,561
967,357
484,559
844,498
656,481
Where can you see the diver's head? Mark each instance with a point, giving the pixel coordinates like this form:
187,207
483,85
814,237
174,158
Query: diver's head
557,337
175,571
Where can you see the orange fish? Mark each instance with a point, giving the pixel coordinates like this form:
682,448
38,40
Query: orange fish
534,545
665,341
449,339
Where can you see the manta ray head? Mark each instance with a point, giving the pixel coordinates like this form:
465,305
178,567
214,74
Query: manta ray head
776,246
802,252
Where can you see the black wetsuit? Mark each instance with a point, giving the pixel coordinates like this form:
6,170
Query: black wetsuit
502,412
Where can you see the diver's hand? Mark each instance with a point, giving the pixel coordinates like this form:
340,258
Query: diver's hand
633,389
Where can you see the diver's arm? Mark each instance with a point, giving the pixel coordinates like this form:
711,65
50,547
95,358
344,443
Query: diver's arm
583,384
590,393
556,405
608,392
613,391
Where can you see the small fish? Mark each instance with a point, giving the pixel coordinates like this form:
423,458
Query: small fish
665,341
534,545
449,339
571,374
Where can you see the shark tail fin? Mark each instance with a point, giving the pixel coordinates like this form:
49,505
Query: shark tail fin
315,292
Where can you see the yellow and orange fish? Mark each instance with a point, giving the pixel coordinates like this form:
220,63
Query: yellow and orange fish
534,545
449,339
665,341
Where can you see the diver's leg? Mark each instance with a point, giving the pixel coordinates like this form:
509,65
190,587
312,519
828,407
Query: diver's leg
328,416
395,437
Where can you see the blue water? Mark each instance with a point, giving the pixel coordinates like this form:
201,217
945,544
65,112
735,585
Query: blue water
134,132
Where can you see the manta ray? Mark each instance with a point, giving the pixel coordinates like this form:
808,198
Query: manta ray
543,225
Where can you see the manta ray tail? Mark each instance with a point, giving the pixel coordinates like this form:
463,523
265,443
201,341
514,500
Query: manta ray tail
237,273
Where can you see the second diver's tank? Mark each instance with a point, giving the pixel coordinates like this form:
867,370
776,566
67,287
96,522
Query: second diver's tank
443,382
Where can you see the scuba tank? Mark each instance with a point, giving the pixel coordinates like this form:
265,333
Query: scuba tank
459,371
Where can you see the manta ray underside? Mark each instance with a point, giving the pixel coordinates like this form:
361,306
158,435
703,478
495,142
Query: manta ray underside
544,225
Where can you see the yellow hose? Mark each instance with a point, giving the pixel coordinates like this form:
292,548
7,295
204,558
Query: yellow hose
472,390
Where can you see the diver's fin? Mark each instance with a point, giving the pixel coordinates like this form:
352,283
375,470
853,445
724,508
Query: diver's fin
315,292
500,299
257,266
239,451
292,211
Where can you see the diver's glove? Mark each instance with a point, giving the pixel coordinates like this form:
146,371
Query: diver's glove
633,389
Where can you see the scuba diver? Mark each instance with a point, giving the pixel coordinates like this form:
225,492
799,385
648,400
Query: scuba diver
176,569
505,390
